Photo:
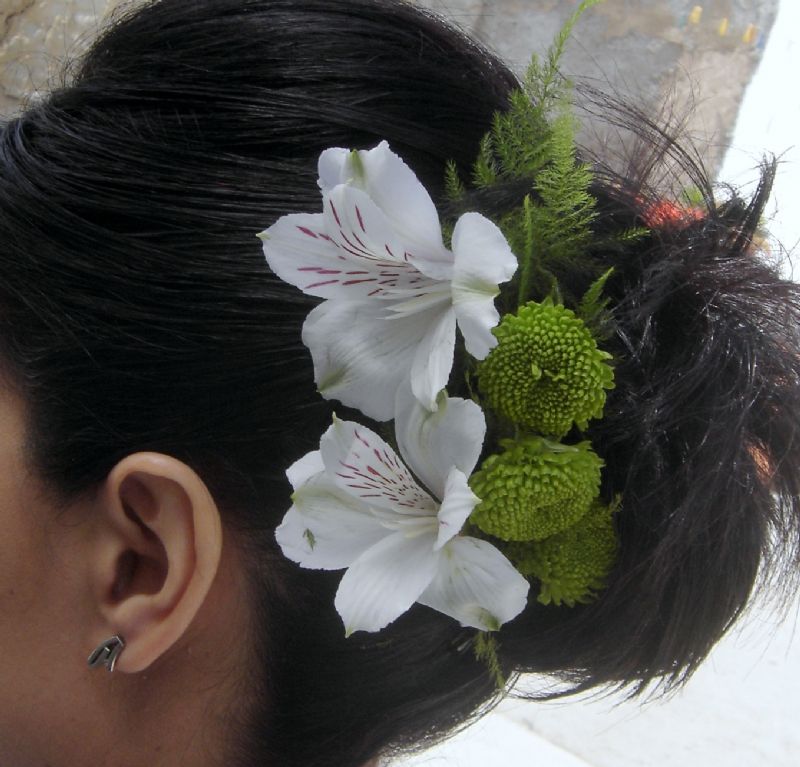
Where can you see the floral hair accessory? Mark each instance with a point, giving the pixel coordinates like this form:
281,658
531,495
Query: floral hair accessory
455,510
357,504
394,293
386,335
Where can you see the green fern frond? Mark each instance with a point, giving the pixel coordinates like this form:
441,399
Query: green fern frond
559,224
454,186
517,145
542,81
535,140
632,235
484,172
592,302
447,234
563,188
520,136
593,308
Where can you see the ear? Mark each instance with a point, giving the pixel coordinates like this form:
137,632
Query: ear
159,545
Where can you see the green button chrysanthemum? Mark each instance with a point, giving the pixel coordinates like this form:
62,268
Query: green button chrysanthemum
546,371
535,488
574,564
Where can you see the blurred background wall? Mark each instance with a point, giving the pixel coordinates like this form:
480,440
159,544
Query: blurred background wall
698,56
705,53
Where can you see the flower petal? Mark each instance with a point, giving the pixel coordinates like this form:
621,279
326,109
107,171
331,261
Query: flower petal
457,504
360,357
385,581
476,316
299,250
363,232
433,359
395,189
328,255
325,528
303,469
476,585
293,538
361,229
438,295
481,250
432,442
364,466
483,260
333,168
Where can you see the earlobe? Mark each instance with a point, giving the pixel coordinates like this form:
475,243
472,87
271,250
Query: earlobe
160,542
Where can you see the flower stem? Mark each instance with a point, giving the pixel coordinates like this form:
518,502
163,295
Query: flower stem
486,651
527,256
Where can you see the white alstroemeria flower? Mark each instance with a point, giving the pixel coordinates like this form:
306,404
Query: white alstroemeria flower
394,292
358,506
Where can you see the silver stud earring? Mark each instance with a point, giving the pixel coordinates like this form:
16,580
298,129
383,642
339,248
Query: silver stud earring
106,653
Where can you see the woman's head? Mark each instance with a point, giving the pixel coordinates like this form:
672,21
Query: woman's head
157,389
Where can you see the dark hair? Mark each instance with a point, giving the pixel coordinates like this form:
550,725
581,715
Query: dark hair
138,314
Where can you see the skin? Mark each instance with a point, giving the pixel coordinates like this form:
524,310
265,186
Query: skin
145,557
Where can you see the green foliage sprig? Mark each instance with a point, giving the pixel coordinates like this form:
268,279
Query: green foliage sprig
535,140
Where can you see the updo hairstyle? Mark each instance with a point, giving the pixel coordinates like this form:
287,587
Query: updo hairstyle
137,313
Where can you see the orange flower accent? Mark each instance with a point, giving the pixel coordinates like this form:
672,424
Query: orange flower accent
665,214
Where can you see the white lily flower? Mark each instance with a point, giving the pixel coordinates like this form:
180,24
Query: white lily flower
357,505
394,293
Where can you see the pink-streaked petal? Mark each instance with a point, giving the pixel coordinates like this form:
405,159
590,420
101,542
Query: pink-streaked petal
326,528
363,465
303,469
395,189
476,585
385,581
433,359
457,504
360,357
433,442
483,260
360,227
300,251
361,231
